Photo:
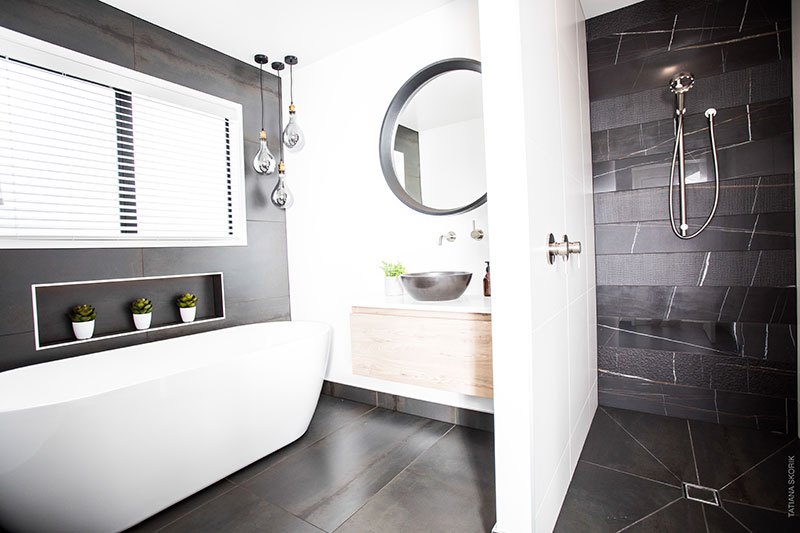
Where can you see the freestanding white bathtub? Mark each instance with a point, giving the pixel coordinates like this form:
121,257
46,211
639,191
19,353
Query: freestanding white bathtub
102,441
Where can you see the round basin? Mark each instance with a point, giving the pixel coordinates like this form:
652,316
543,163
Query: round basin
435,286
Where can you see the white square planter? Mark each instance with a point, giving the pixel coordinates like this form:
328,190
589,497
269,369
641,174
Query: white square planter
83,330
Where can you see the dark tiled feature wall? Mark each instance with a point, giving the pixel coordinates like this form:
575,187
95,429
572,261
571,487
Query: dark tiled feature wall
631,473
256,276
411,406
702,329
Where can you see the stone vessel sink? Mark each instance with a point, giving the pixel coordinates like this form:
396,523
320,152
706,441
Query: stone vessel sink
435,286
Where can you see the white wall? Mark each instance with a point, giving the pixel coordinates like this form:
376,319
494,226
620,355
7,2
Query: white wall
345,220
544,319
449,155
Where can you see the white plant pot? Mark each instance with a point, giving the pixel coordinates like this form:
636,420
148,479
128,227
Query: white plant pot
142,321
188,313
392,286
83,330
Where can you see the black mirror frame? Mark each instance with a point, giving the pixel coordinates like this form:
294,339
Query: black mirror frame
386,142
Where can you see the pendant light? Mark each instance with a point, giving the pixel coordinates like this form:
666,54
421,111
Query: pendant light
264,162
293,137
281,196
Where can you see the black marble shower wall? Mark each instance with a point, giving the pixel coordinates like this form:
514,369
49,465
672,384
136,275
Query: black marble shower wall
702,329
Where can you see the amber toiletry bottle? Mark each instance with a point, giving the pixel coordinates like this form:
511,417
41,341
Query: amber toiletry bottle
487,282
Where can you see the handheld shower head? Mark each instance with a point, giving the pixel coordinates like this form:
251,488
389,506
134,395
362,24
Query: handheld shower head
681,82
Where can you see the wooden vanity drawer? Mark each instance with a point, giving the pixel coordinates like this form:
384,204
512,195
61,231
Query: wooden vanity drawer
450,351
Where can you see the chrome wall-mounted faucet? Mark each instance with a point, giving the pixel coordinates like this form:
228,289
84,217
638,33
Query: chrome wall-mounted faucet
450,236
476,233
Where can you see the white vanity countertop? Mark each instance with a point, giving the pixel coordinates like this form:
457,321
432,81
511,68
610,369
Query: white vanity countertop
468,303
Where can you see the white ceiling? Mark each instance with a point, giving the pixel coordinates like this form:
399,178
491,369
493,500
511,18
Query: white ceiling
592,8
309,29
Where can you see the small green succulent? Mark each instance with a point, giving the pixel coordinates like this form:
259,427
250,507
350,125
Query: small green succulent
187,300
392,270
142,306
82,313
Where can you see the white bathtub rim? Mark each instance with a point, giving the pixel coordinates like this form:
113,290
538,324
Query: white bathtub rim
10,400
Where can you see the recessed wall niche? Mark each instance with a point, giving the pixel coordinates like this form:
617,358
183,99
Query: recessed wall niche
111,299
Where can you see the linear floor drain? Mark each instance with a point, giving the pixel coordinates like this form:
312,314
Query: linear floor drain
697,493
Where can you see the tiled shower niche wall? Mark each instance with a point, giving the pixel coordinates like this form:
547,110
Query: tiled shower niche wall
702,329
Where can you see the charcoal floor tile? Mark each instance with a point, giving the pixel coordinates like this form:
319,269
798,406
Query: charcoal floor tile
240,511
680,515
718,520
725,452
609,445
331,414
182,508
757,486
757,519
600,500
666,438
450,487
327,482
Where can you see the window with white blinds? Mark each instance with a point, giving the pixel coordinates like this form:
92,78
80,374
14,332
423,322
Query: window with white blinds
112,160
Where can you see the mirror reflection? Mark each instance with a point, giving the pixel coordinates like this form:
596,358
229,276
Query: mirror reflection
438,153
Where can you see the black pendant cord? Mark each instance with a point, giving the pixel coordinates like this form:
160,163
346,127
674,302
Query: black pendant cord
261,92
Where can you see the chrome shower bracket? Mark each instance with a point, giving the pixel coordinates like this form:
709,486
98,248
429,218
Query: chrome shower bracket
561,249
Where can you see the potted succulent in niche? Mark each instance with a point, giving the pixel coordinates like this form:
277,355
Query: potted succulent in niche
82,317
187,304
391,283
142,310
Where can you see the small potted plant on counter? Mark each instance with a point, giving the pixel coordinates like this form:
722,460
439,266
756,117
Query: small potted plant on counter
187,303
142,310
82,317
391,283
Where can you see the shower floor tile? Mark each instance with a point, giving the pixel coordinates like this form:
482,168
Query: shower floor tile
357,468
632,468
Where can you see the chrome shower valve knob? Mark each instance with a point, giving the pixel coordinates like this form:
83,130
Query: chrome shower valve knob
710,112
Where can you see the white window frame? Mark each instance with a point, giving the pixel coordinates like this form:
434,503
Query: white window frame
34,51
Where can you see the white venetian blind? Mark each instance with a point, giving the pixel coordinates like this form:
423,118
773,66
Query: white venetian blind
87,163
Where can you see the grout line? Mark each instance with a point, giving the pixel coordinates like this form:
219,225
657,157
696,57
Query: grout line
651,514
630,474
642,445
705,519
755,465
782,511
737,520
261,498
694,457
233,486
396,476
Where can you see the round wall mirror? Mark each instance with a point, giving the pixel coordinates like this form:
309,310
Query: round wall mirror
431,143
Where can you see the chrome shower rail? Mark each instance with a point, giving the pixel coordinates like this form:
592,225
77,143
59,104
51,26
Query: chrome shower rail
680,85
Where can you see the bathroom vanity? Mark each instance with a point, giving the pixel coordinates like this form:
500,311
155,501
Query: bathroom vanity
439,345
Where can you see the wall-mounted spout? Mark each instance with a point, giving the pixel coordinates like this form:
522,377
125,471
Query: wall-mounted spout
450,236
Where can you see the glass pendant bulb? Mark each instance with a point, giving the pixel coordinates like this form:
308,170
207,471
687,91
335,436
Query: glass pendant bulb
264,162
282,197
293,137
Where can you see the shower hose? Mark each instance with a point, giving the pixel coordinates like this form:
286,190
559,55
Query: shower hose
678,136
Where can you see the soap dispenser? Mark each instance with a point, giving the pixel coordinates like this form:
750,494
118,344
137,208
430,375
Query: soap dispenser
487,282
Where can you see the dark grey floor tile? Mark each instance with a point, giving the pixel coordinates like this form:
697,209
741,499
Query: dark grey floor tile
331,479
680,515
629,393
666,438
718,520
609,445
450,487
757,486
331,414
725,452
241,510
183,507
757,519
600,500
416,502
